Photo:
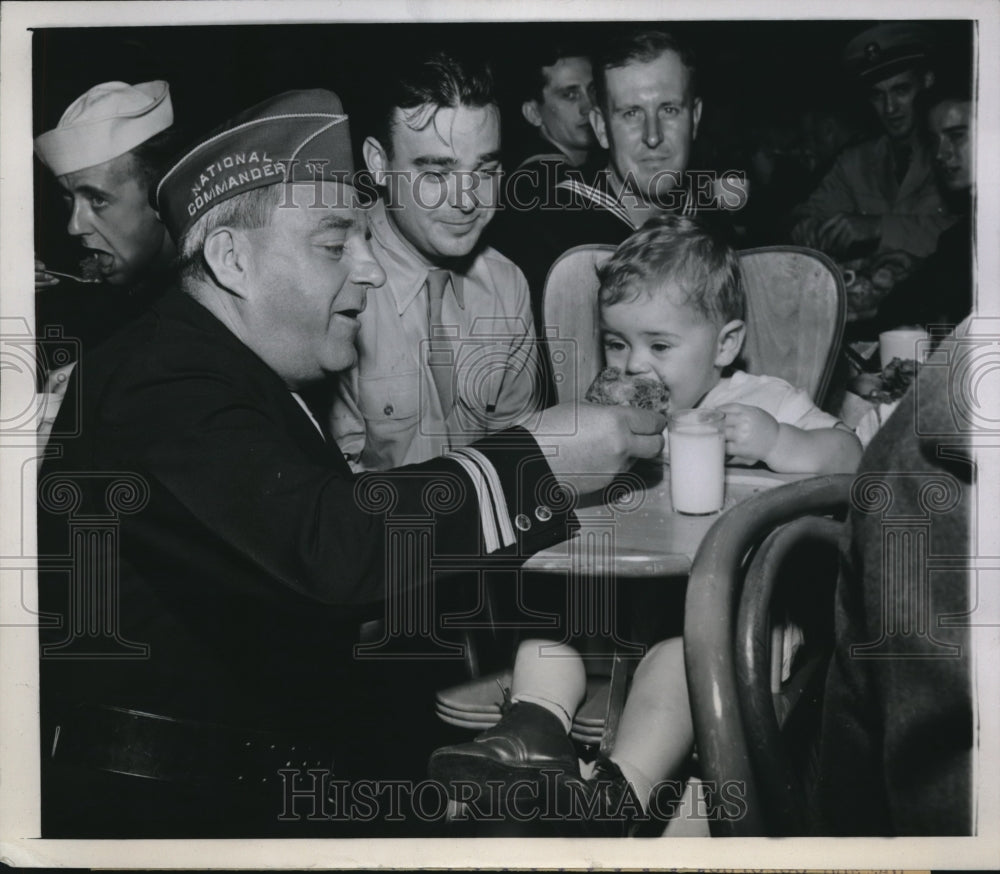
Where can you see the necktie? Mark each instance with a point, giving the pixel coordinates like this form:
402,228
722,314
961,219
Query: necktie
440,353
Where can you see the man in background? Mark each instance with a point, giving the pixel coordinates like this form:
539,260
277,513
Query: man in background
940,290
646,114
881,195
107,152
557,94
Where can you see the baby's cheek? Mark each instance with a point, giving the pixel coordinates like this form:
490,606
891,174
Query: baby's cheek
615,358
658,373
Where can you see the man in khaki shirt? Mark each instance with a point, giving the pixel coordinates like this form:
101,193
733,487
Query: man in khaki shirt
881,194
446,353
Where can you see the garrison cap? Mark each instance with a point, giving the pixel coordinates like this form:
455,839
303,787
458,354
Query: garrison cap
107,121
297,136
887,49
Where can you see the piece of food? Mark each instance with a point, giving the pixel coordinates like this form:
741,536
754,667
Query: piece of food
614,388
90,268
896,379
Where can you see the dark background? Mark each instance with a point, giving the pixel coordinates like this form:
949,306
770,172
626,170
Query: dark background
754,74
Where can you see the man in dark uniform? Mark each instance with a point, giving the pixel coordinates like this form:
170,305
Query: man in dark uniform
556,102
107,152
646,114
210,556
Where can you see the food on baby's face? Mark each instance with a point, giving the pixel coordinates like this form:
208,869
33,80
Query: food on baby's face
614,388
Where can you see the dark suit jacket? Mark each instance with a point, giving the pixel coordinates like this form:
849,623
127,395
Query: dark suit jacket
535,238
897,732
247,552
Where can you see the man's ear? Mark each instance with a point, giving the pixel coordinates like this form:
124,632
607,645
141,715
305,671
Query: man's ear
529,109
928,78
600,129
695,117
226,253
730,342
376,159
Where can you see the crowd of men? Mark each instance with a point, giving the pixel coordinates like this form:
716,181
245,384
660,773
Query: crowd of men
293,374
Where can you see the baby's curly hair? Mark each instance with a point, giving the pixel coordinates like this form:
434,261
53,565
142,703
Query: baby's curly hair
685,252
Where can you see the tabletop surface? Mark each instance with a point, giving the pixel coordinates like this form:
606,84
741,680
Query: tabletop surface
631,529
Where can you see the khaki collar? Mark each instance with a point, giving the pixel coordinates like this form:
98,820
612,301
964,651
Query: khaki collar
409,267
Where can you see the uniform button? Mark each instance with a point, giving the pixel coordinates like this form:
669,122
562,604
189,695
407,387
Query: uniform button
522,522
388,409
543,513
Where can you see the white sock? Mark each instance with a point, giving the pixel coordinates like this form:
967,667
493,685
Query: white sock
550,675
639,781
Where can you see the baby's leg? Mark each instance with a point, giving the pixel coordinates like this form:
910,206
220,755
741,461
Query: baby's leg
551,675
656,735
531,740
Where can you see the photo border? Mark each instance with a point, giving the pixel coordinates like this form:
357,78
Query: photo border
19,753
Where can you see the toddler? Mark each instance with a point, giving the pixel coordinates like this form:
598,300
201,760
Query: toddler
672,310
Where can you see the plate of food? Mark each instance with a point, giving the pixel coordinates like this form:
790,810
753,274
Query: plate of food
889,385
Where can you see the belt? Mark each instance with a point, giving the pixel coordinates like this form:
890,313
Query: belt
162,748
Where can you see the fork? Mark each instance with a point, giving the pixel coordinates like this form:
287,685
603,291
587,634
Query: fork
50,272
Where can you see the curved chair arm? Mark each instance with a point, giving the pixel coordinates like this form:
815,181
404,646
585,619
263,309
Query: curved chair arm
709,633
780,784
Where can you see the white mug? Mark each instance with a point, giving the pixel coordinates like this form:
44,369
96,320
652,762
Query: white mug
902,343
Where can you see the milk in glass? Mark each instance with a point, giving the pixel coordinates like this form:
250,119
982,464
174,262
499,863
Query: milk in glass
697,460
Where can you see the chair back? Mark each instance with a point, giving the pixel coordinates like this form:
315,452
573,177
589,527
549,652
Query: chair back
795,317
741,715
796,310
569,310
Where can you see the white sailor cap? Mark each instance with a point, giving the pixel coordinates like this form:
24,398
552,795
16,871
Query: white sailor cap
109,120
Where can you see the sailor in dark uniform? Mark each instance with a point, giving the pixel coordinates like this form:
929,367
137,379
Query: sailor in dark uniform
646,115
107,153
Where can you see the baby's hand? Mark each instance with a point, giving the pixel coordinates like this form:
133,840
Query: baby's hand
750,432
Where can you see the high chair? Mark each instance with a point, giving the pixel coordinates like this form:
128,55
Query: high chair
795,320
796,310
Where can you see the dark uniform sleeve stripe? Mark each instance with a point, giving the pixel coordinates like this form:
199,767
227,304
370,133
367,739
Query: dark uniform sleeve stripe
487,515
499,514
